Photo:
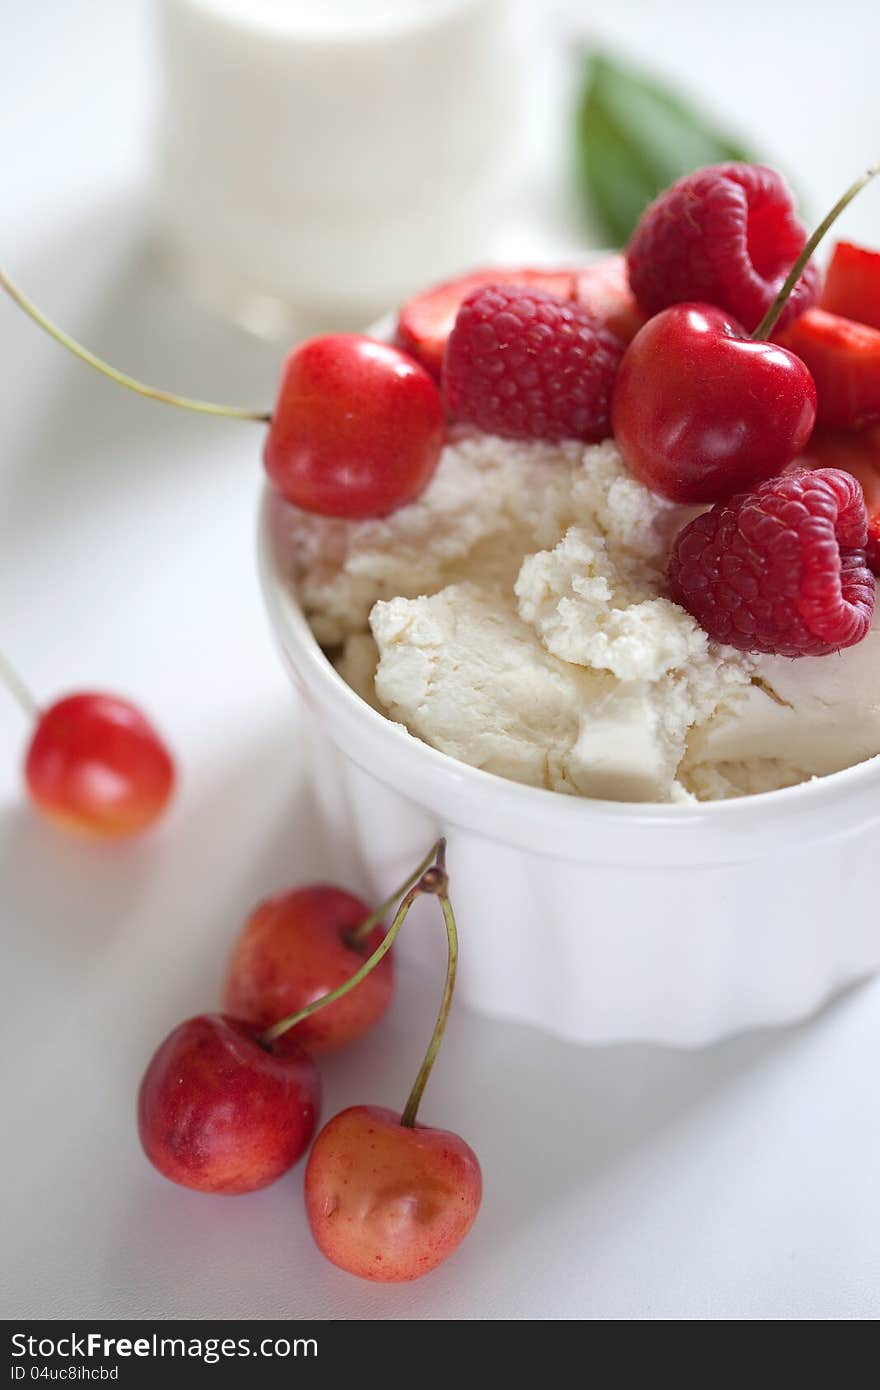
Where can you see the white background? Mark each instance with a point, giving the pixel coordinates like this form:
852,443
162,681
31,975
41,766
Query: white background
740,1182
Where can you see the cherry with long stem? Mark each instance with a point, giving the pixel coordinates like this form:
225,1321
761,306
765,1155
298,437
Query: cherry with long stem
389,1199
357,428
141,388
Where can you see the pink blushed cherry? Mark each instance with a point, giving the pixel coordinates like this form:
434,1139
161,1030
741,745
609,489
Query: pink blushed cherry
300,947
297,947
387,1201
94,763
387,1198
220,1110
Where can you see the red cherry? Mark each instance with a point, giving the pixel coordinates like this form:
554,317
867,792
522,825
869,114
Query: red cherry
386,1201
95,764
297,947
357,430
700,411
219,1112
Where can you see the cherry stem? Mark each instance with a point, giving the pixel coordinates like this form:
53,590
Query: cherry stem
437,882
770,319
284,1024
17,688
151,392
364,928
426,884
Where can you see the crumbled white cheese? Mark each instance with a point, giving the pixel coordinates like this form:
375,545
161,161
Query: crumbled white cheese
463,671
589,608
520,623
816,714
490,502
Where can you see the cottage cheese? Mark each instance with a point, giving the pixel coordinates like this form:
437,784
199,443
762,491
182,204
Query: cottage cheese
490,503
515,618
796,720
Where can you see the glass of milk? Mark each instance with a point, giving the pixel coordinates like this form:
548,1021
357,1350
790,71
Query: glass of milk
319,160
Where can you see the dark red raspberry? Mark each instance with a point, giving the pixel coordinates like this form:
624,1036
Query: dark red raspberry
726,235
527,365
781,569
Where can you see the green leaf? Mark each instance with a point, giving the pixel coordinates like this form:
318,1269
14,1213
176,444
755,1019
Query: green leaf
634,137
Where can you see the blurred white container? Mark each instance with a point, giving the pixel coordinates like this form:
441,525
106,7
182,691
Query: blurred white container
599,921
320,159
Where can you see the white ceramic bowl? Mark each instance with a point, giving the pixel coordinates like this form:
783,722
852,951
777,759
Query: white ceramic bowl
596,920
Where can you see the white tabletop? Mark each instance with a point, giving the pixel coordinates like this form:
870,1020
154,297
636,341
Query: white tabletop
734,1183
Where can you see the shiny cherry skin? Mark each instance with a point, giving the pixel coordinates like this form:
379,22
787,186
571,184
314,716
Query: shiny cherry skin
298,946
219,1112
95,764
357,429
700,411
388,1202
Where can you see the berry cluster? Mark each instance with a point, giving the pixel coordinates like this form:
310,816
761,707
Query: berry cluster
667,348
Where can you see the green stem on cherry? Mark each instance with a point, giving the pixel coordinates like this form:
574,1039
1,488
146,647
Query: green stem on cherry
770,319
141,388
425,884
285,1024
410,1109
363,930
17,688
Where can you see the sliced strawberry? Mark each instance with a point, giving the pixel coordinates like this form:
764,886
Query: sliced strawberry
603,290
426,320
852,285
844,358
857,452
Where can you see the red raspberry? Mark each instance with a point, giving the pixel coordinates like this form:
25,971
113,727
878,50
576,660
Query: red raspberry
726,235
527,365
425,321
781,569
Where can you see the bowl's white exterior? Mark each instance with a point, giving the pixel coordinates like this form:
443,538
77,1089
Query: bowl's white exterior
599,921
